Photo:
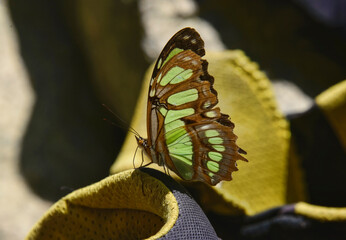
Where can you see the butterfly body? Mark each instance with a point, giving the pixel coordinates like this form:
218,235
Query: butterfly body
186,132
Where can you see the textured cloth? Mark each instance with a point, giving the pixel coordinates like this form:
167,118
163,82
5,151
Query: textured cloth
323,214
192,223
295,222
128,205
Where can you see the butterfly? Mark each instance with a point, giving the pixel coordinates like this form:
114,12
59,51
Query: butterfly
186,132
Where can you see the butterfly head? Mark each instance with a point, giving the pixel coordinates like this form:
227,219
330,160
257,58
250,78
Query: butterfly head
142,143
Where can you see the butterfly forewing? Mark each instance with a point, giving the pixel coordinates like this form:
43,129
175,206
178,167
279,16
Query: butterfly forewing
186,132
185,39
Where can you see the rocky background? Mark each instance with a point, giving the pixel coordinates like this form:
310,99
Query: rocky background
60,60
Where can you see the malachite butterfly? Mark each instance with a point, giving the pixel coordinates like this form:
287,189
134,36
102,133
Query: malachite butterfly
186,132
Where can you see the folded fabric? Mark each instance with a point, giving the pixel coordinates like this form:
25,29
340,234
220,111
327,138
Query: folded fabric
296,221
134,204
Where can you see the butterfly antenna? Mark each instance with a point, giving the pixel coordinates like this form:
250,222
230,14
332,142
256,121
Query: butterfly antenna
114,124
125,124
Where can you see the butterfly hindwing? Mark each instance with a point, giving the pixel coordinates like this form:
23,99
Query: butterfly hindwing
186,132
216,152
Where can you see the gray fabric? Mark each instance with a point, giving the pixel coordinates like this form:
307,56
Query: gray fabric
192,223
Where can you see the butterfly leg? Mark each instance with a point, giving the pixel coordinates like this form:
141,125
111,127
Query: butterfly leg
146,165
142,158
142,166
134,158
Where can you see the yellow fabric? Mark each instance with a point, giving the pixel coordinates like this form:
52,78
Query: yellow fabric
333,104
128,205
245,94
320,213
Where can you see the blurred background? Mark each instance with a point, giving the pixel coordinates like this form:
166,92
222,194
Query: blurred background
60,60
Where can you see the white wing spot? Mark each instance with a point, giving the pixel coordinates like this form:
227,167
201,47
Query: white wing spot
204,127
186,37
194,62
193,41
207,104
187,59
152,92
211,114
